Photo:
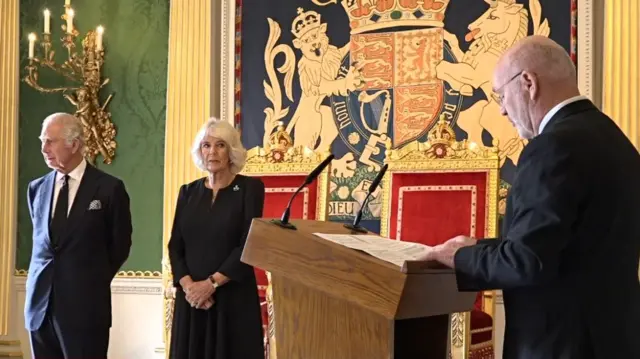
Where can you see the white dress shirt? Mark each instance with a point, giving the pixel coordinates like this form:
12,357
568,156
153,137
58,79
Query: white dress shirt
556,108
75,177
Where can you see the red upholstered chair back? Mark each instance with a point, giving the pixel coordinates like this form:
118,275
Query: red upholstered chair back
310,203
279,189
283,170
436,190
433,205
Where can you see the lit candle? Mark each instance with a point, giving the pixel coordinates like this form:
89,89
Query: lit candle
70,14
99,32
67,2
47,23
32,44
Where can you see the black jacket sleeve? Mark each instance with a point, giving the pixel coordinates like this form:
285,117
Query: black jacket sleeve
122,228
547,195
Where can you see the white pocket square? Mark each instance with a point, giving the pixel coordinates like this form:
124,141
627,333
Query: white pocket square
95,205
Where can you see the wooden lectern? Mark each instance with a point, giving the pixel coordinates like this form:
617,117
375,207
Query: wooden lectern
334,302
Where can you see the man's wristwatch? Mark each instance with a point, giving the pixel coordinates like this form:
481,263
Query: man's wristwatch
213,282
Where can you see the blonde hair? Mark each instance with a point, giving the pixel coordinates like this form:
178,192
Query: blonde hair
222,130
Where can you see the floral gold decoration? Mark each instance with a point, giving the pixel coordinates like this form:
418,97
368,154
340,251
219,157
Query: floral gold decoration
169,297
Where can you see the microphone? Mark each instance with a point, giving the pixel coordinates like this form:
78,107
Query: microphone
372,187
284,220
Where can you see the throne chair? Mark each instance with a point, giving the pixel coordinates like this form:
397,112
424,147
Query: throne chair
436,190
283,168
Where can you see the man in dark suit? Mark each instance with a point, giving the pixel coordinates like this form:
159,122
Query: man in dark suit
567,259
81,237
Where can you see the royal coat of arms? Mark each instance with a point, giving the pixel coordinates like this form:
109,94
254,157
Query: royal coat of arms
382,86
400,71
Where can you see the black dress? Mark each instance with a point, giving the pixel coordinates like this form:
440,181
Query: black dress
206,239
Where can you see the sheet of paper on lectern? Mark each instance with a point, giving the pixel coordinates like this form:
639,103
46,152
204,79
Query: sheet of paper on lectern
392,251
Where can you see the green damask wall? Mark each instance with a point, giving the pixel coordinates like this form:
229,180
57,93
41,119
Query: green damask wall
136,45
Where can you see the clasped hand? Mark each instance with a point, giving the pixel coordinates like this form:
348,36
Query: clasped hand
198,294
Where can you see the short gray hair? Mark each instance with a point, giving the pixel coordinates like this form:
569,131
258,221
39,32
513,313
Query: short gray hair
72,128
226,132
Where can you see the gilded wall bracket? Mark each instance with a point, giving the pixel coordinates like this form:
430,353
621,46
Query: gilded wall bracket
83,71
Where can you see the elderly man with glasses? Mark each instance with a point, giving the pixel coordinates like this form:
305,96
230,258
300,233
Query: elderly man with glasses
567,258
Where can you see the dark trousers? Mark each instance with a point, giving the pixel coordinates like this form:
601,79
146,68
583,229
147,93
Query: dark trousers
52,341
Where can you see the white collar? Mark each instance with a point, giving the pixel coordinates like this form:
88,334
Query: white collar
556,108
77,172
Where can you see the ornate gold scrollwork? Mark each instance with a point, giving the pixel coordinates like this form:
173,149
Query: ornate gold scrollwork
442,144
84,71
168,299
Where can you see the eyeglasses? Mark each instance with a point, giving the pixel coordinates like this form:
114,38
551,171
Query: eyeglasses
498,98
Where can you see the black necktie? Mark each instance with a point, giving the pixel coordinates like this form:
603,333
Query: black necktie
59,220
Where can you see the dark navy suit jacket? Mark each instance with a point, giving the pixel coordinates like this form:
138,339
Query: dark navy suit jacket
567,259
79,268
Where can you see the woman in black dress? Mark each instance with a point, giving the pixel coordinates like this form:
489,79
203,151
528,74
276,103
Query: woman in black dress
217,310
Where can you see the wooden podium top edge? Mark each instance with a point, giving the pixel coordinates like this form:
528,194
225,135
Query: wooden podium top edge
409,267
338,230
421,267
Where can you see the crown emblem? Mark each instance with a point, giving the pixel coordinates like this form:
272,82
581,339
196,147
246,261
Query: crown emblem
304,22
442,144
442,133
279,143
281,139
369,15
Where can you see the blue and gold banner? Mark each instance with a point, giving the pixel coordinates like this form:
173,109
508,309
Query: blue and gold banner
357,76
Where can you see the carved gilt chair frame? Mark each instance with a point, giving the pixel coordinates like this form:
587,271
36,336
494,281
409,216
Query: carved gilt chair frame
293,161
282,161
445,155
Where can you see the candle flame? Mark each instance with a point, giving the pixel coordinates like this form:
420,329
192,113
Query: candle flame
100,29
32,37
47,12
70,12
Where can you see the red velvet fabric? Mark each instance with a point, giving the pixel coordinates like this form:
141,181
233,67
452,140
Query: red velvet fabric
275,202
479,303
278,192
437,206
481,320
433,215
